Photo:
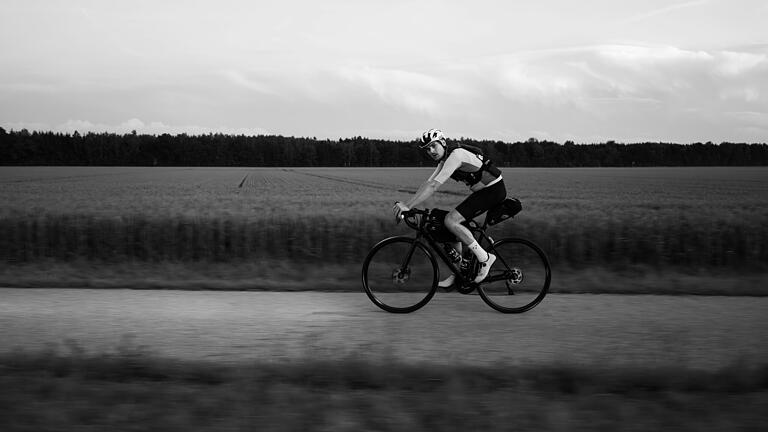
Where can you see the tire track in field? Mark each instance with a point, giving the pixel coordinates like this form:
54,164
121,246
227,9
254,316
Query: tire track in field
251,180
372,185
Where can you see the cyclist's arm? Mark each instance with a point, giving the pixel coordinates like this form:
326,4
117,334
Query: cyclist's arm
426,189
435,172
441,174
432,177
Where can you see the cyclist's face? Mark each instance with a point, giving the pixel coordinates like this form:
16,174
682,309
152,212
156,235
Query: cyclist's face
435,150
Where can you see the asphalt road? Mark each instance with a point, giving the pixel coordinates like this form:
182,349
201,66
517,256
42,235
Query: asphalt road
697,331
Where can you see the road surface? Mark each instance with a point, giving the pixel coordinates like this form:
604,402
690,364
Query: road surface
696,331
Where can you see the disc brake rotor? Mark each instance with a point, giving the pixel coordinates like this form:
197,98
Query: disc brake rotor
515,276
400,276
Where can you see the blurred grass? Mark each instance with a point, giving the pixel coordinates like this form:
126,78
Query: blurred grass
674,254
671,240
283,275
130,389
696,226
665,241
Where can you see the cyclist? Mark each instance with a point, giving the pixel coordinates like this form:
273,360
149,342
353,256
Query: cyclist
466,164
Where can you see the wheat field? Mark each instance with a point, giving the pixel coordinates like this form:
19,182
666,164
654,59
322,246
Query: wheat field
665,219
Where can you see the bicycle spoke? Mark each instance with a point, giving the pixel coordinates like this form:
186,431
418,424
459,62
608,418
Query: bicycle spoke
399,276
518,279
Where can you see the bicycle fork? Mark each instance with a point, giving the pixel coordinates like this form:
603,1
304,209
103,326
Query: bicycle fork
403,273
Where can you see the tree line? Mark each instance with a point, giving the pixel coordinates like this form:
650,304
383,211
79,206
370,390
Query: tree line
110,149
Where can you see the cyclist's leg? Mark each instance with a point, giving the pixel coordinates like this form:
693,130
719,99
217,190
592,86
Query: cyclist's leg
459,246
448,281
453,221
476,204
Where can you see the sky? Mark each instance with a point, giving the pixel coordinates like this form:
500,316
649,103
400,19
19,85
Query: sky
586,71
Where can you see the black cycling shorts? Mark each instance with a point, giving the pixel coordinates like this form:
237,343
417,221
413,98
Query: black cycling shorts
482,201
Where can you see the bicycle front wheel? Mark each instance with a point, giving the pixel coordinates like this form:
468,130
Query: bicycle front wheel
400,275
519,279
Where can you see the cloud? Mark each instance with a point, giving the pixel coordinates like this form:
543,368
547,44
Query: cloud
532,80
751,118
80,126
238,78
737,63
750,123
132,124
28,87
746,94
418,92
158,128
634,73
618,91
615,91
638,56
668,9
30,126
151,128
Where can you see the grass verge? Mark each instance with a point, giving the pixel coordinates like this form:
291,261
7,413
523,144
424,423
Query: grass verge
131,389
282,275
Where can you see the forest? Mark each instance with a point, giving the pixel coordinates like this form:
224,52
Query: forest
109,149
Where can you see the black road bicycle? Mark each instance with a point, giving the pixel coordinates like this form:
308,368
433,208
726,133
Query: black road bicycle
400,274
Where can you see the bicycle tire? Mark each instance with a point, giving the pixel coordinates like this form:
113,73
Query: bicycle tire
388,278
525,274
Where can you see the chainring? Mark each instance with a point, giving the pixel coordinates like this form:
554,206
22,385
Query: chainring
466,288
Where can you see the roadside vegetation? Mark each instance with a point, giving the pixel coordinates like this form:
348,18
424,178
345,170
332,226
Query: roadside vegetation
627,224
131,389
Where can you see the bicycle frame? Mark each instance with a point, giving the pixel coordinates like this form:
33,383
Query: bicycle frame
477,231
513,256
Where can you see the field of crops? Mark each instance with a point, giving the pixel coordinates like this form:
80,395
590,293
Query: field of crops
606,219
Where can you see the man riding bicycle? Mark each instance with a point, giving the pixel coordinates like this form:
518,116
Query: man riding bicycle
466,164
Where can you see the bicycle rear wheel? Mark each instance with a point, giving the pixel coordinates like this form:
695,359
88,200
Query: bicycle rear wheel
519,279
400,275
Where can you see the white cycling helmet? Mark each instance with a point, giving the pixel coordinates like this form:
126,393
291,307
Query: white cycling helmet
432,135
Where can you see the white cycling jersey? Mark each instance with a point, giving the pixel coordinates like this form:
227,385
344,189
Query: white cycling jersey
462,160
